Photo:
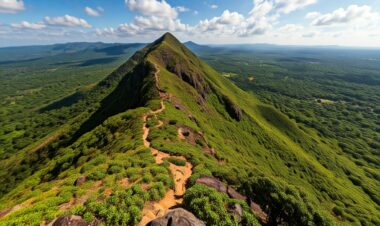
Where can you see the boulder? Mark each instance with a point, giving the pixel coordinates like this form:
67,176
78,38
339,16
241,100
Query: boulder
80,180
235,195
177,217
235,209
71,220
212,182
233,110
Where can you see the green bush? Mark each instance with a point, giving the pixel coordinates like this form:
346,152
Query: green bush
175,161
113,169
97,175
210,205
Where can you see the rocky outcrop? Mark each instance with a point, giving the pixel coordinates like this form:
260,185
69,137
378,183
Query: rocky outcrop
72,220
80,180
177,217
5,212
212,182
221,187
236,210
234,194
233,110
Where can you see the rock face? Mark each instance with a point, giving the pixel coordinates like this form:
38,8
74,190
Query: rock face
72,220
80,180
177,217
234,194
236,209
221,187
212,182
233,110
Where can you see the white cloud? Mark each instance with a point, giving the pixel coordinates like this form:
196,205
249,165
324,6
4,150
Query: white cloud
28,25
143,25
287,6
152,8
362,15
67,21
221,22
290,28
213,6
182,9
264,7
196,12
312,15
156,16
93,12
11,6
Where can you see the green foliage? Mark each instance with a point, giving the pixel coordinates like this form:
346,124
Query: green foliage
210,206
284,203
176,161
122,208
313,134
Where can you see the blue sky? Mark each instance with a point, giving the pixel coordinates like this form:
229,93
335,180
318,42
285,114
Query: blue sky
292,22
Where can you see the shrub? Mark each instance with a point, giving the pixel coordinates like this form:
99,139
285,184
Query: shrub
97,175
210,206
113,169
172,122
176,161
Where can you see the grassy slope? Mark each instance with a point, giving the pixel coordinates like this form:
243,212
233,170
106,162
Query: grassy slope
293,155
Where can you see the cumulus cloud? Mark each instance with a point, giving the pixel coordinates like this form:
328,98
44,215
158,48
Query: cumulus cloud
11,6
156,16
93,12
28,25
218,23
152,8
353,13
142,25
287,6
312,15
264,7
67,21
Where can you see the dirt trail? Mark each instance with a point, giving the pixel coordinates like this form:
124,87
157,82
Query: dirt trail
181,174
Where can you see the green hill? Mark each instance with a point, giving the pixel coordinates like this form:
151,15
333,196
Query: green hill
196,120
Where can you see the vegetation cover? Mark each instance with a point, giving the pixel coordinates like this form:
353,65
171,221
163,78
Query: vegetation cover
297,174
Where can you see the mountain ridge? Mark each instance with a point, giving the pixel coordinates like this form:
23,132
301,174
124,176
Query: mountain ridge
195,116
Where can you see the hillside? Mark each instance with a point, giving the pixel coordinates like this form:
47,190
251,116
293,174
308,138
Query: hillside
158,133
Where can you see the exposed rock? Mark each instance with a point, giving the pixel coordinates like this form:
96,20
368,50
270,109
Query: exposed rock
236,209
212,182
219,186
235,195
259,212
5,212
192,118
71,220
178,107
177,217
233,110
80,180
